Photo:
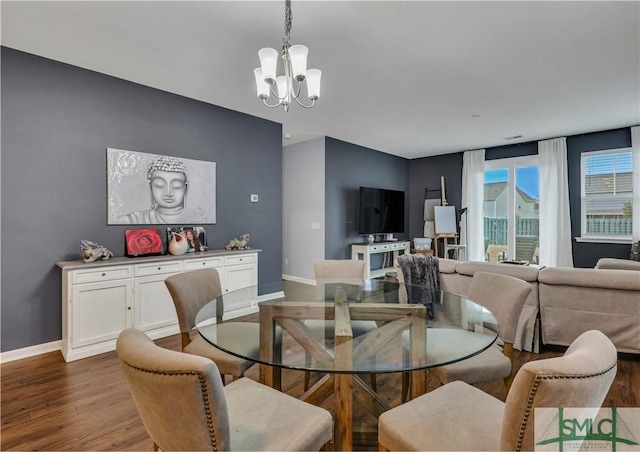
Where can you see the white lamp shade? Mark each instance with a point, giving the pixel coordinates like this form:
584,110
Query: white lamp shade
298,55
268,63
313,83
281,83
261,86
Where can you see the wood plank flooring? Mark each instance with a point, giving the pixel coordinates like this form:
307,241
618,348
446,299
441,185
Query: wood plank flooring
47,404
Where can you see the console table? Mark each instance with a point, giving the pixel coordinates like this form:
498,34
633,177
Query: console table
367,249
100,299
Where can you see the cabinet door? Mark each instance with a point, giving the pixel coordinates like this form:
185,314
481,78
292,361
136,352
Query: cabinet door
238,277
154,307
100,311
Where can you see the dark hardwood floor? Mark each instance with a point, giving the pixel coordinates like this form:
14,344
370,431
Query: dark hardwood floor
47,404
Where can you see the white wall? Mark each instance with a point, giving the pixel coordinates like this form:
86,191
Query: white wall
303,209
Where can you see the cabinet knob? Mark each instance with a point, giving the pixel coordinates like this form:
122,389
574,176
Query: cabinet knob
104,274
129,308
159,268
204,263
240,259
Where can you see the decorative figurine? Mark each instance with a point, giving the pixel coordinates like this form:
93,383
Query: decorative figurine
239,243
92,251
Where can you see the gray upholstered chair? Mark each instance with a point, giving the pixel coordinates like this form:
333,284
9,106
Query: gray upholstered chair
184,405
504,296
192,290
347,272
458,416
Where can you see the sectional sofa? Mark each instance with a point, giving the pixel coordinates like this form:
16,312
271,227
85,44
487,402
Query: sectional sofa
565,302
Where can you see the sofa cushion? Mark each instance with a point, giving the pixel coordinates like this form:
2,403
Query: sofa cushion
617,264
524,272
590,277
447,266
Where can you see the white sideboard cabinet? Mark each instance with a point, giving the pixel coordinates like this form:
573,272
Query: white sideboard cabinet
100,299
365,250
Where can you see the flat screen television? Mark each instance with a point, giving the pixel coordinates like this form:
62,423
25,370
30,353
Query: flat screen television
381,211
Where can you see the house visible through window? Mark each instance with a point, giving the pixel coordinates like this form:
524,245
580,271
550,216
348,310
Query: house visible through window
607,193
511,209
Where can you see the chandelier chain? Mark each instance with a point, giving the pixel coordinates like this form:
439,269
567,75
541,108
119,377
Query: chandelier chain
287,21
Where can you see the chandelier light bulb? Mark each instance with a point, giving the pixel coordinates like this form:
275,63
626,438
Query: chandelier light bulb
298,54
261,85
281,83
268,63
313,83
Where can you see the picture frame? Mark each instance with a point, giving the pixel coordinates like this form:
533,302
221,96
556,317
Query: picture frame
144,188
200,233
196,237
144,242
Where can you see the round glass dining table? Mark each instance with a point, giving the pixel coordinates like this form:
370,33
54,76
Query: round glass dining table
347,328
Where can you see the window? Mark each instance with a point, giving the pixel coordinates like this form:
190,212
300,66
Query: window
607,194
511,209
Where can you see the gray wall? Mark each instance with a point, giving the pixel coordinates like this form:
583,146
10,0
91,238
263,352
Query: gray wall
303,208
347,168
57,121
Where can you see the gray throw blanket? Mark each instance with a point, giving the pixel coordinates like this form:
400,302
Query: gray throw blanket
422,275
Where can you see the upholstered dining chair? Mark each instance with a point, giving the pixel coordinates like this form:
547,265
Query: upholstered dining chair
192,290
504,296
458,416
184,405
347,271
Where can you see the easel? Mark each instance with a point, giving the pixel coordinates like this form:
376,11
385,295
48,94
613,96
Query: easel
445,227
430,202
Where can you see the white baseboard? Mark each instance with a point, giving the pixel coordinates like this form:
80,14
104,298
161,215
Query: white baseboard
270,296
310,282
27,352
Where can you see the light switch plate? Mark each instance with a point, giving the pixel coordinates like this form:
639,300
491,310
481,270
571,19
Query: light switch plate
254,198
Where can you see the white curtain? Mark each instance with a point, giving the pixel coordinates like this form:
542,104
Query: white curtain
555,219
635,145
472,228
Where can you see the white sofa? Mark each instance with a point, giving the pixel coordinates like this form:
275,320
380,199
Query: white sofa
565,302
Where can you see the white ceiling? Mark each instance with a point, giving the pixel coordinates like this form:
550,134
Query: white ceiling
400,77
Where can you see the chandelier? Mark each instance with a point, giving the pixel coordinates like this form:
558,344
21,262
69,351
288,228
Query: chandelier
289,85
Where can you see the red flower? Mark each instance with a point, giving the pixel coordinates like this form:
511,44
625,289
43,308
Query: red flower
143,241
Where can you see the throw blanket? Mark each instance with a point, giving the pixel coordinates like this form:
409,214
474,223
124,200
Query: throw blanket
422,274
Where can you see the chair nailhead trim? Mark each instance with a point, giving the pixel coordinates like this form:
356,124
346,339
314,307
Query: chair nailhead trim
534,390
205,395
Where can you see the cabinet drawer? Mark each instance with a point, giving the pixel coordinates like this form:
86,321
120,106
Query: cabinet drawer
240,260
102,274
196,264
158,268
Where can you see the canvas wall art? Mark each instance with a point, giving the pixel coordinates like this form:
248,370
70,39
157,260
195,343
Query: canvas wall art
148,188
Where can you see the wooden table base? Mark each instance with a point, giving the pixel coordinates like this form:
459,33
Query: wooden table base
345,387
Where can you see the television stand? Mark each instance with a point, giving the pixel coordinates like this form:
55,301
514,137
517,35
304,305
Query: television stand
367,249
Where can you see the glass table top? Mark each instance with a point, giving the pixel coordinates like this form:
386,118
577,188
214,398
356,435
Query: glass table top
349,326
